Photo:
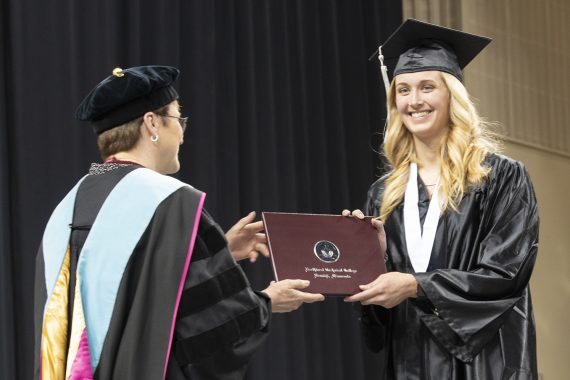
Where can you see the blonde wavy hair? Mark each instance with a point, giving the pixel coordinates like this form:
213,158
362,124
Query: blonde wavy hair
462,151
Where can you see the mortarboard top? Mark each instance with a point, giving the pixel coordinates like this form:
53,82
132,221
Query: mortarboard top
421,46
128,94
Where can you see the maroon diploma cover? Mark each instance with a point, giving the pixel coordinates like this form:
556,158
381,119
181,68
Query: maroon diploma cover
334,252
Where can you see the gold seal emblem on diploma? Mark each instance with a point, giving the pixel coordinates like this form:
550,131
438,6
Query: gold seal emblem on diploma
326,251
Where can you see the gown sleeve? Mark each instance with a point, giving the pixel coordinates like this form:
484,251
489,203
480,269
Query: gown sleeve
221,320
374,321
470,306
372,205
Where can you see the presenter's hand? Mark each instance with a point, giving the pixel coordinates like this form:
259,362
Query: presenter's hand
388,290
286,295
246,240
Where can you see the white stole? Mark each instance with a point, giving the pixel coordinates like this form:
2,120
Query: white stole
419,244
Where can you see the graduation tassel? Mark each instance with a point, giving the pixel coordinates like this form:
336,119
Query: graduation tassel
383,70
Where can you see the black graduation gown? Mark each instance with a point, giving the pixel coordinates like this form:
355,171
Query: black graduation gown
475,320
220,321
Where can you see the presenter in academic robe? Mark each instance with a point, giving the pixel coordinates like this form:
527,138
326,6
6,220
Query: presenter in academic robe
134,279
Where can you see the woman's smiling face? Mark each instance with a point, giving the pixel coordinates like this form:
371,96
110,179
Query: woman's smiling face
422,100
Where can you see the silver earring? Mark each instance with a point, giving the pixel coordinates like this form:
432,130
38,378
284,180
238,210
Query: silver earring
154,138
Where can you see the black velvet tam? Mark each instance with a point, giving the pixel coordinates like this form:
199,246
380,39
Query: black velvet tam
421,46
128,94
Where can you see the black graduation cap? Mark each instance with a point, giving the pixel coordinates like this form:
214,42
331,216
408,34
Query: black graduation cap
421,46
126,95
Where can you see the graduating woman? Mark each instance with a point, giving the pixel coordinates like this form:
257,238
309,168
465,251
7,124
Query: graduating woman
460,222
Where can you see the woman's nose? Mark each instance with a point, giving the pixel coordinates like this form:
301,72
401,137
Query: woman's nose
416,99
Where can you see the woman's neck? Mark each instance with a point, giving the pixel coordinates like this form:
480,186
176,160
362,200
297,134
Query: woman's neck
427,152
130,157
429,158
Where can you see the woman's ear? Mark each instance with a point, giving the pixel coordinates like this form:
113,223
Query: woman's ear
150,123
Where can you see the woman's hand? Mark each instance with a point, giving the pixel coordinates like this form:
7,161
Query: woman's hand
245,239
357,213
377,223
388,290
286,296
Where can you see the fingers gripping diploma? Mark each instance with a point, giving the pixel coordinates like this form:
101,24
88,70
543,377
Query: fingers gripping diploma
375,222
389,289
356,213
246,240
286,295
381,235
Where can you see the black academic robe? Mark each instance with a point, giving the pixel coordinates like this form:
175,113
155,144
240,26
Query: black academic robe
475,320
220,320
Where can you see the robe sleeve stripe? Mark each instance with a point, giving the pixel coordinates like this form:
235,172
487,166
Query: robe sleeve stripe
208,267
196,348
214,239
211,241
212,291
218,314
218,307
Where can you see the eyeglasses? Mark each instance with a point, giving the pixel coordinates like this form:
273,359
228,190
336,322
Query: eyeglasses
182,120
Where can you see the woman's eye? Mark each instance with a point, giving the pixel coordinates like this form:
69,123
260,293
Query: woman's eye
427,88
403,90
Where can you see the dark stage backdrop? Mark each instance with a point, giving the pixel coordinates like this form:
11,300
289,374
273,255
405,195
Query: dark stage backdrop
284,109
